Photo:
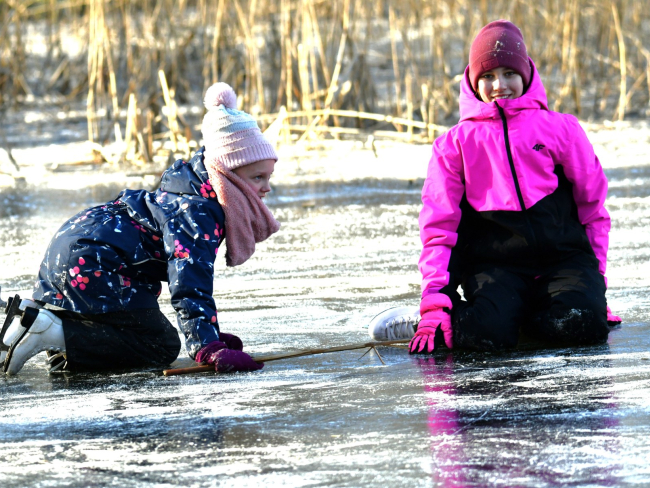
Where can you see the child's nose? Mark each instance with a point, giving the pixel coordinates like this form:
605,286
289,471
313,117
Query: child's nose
502,82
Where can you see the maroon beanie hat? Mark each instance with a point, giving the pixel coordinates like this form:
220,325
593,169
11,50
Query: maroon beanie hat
499,43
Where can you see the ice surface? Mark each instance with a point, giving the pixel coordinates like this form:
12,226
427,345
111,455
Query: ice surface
347,249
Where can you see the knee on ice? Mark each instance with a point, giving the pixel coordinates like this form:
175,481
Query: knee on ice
578,326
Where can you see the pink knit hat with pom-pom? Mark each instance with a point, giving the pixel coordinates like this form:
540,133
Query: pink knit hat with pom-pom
230,135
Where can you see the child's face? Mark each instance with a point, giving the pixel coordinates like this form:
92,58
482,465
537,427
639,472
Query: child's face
257,176
500,83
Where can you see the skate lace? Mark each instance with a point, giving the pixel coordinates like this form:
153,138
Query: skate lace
402,327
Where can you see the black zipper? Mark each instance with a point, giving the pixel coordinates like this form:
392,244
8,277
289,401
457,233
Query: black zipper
533,238
512,164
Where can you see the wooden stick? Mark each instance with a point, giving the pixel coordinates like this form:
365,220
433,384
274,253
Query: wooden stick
276,357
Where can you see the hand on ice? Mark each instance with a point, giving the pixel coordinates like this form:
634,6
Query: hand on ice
228,341
229,360
423,339
434,310
225,359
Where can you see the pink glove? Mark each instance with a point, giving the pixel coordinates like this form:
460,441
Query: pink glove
432,310
612,319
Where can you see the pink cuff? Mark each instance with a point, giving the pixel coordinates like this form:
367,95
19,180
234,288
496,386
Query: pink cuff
437,301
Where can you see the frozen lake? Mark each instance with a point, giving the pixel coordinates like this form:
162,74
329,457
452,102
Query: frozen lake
347,249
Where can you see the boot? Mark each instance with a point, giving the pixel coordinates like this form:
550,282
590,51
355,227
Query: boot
37,331
394,324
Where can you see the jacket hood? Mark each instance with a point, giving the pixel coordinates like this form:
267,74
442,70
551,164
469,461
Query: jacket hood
471,107
188,177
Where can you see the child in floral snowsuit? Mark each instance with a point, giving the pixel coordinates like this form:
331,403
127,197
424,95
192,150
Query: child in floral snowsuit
98,286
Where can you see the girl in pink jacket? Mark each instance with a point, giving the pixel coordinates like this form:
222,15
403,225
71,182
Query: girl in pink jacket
513,212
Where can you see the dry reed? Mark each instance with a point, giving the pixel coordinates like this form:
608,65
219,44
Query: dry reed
329,63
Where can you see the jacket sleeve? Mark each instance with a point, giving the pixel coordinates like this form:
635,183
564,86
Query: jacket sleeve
583,170
192,238
440,215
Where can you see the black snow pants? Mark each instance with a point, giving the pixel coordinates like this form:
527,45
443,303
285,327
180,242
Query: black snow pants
119,340
563,305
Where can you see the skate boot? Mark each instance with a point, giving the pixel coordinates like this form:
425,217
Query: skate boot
36,331
395,324
15,307
12,311
56,359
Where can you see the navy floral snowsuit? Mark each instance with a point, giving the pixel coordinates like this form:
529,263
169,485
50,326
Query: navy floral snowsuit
110,260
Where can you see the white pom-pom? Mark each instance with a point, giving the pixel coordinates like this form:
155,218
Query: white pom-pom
220,94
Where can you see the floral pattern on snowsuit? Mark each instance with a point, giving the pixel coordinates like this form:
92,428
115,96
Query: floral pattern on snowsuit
113,257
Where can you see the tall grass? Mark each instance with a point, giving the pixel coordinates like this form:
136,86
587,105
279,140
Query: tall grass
398,58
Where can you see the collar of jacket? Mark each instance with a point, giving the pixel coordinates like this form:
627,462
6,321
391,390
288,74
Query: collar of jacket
471,108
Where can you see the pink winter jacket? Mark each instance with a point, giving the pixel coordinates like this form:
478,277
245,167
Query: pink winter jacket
499,160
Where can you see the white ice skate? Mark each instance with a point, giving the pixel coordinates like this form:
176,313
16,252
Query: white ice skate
15,307
34,332
395,324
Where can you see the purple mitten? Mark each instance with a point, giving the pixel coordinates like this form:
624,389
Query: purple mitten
232,341
229,360
206,353
434,310
612,319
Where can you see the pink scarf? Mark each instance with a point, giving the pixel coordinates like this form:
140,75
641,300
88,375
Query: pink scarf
248,220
